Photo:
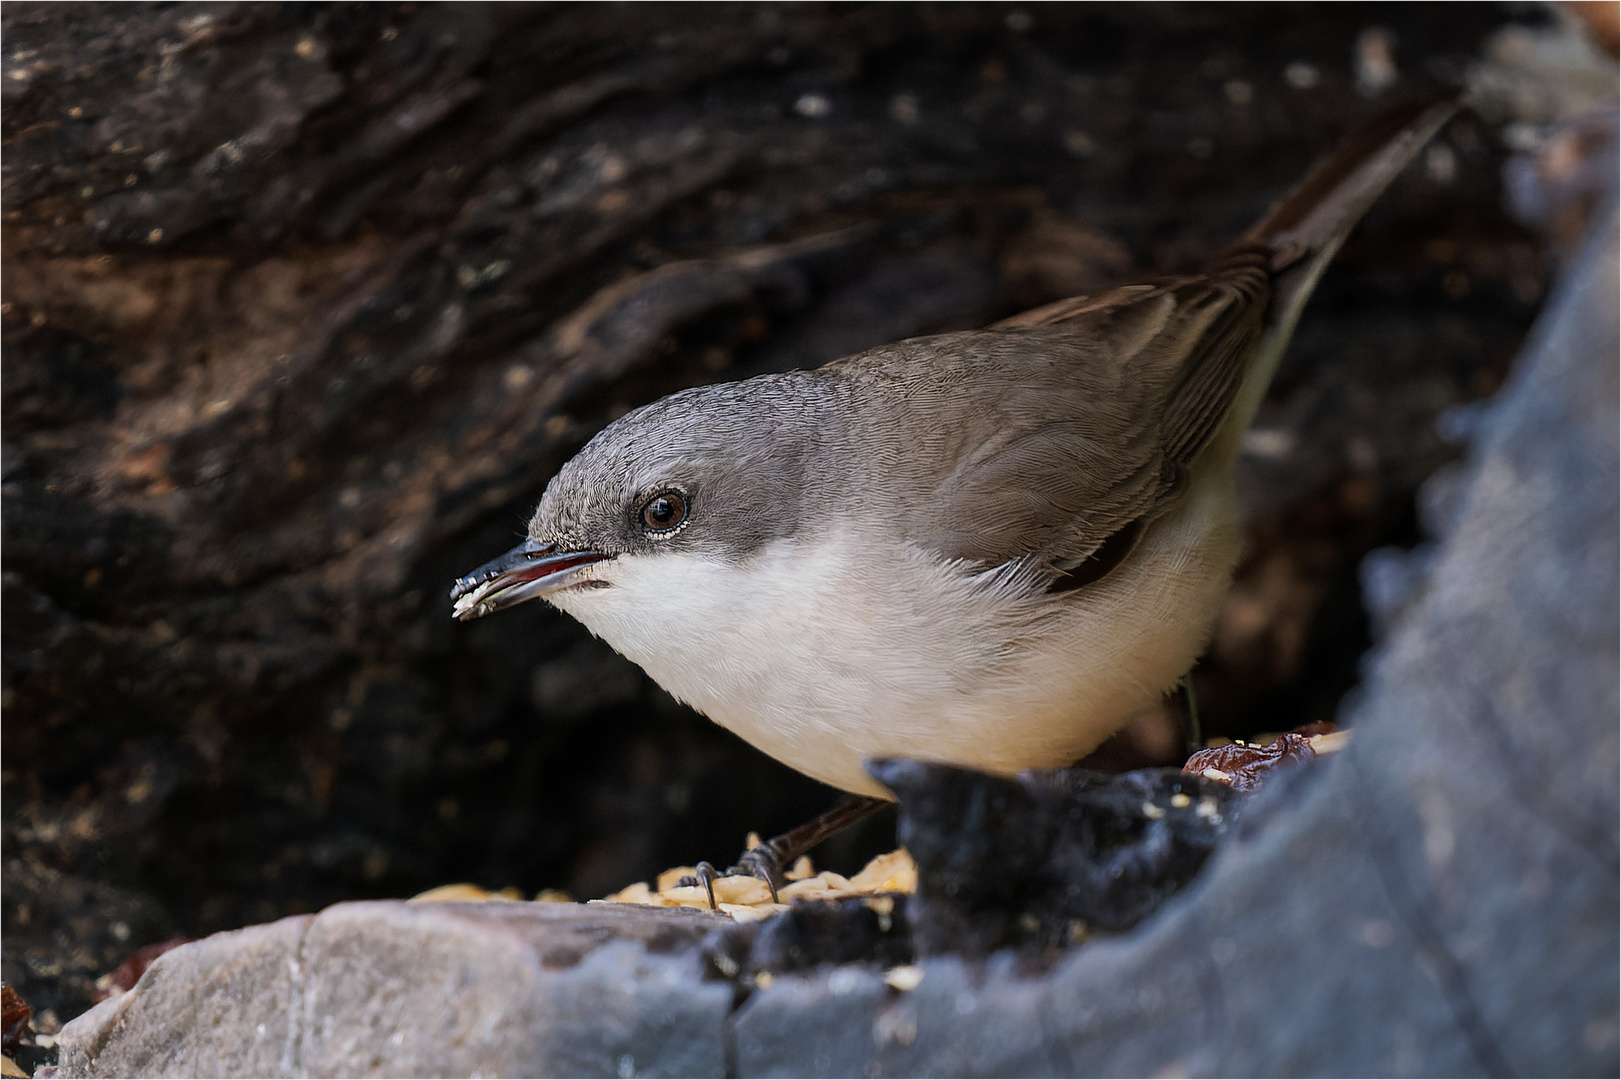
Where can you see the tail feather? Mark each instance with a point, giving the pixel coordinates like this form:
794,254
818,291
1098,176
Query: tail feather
1327,204
1303,230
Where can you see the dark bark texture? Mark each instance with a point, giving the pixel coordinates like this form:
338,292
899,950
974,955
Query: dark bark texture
304,303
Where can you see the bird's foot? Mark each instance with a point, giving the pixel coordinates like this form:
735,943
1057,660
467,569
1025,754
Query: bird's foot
769,861
760,861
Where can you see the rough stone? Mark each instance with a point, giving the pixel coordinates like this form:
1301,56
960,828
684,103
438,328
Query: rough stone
393,989
827,1016
1039,861
240,982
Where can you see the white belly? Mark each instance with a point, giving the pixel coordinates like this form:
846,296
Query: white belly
829,655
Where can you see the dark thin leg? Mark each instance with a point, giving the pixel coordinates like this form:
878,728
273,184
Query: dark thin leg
768,861
1195,736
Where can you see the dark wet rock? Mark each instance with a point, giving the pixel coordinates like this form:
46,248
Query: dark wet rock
812,933
1038,864
1047,858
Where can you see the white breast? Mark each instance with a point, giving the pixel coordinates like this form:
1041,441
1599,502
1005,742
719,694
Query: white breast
827,655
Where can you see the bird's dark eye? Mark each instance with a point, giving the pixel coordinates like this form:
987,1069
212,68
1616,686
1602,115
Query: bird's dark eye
665,511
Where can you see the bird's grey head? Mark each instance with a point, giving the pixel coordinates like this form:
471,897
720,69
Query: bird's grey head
716,472
715,469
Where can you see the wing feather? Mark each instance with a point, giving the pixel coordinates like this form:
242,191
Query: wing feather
1101,405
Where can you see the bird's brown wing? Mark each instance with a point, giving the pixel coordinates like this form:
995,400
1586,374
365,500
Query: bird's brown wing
1102,405
1059,433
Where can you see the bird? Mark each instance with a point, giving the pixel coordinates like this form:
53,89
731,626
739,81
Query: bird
988,548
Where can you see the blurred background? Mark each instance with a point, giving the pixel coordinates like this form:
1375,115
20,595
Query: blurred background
303,304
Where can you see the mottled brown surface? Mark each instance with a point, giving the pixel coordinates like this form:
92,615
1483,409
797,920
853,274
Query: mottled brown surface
1244,767
15,1015
304,303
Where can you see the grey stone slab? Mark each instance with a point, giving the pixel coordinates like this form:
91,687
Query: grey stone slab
216,1007
393,989
504,989
823,1023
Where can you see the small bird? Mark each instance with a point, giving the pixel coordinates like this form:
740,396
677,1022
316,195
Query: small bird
989,548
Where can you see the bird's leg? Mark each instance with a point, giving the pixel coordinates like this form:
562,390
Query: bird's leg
767,861
1195,737
771,859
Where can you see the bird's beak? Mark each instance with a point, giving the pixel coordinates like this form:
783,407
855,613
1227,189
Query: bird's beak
531,569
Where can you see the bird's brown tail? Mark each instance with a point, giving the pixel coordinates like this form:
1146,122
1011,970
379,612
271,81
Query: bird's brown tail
1327,204
1301,233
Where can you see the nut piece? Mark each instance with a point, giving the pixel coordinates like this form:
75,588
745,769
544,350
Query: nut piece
748,899
904,978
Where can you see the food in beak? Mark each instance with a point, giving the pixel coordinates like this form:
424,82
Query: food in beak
531,569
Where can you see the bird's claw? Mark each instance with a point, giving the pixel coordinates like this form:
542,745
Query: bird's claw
705,876
764,863
757,862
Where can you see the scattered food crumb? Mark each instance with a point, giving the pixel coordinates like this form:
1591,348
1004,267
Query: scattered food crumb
464,891
748,913
1331,743
903,978
748,899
